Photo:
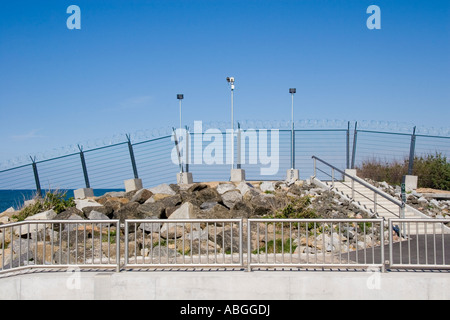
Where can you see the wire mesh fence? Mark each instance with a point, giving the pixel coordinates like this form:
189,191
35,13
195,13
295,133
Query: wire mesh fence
264,154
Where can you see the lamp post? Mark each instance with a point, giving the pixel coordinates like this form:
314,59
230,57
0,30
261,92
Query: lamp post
183,177
230,80
292,174
237,175
292,91
180,97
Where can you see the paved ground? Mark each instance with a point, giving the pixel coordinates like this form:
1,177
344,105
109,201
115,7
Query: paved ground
418,249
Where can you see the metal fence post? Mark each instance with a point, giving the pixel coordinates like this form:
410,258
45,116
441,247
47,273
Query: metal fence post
178,150
187,149
355,137
36,178
239,146
133,160
83,164
411,152
347,151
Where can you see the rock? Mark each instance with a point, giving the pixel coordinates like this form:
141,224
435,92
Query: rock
117,194
244,187
176,230
161,209
267,186
186,211
128,211
80,204
163,251
230,198
141,196
217,212
164,189
95,215
67,213
150,227
208,205
46,215
224,187
227,237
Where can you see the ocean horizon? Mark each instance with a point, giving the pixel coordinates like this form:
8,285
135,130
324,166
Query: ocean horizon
16,198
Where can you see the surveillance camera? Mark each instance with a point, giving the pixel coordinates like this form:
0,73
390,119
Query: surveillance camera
230,79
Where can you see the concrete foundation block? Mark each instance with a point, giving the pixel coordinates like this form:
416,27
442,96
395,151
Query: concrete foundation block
83,193
185,178
292,175
133,184
351,172
237,175
410,182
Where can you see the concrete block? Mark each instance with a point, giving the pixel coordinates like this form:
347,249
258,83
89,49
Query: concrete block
185,178
292,175
83,193
351,172
133,184
237,175
410,182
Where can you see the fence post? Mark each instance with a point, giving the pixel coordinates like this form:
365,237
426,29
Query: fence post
133,160
347,156
411,152
36,177
83,164
187,149
355,137
239,146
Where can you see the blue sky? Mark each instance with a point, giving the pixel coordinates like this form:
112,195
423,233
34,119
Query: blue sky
121,72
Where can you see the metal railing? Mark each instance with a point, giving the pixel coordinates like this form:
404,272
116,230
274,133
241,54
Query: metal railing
419,243
227,243
60,243
183,242
349,181
354,243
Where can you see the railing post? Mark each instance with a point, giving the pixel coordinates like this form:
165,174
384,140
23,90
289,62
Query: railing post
36,178
83,165
133,160
315,164
375,203
249,247
355,137
411,152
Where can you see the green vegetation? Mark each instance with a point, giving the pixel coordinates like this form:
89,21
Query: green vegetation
55,200
433,171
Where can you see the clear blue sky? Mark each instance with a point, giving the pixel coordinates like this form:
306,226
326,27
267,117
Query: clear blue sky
121,72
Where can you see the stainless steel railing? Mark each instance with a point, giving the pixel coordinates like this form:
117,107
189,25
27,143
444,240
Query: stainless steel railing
188,242
251,243
59,243
419,243
315,243
355,180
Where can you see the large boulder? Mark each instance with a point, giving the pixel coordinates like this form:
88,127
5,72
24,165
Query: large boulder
224,187
163,189
128,211
141,196
230,198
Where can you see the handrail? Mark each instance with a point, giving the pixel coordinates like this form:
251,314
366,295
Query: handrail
360,181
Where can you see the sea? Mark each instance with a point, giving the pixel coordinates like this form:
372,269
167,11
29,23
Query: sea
16,198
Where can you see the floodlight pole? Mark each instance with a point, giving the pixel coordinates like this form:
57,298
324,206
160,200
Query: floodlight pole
292,91
231,82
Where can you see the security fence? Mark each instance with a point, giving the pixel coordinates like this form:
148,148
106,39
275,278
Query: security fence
264,154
